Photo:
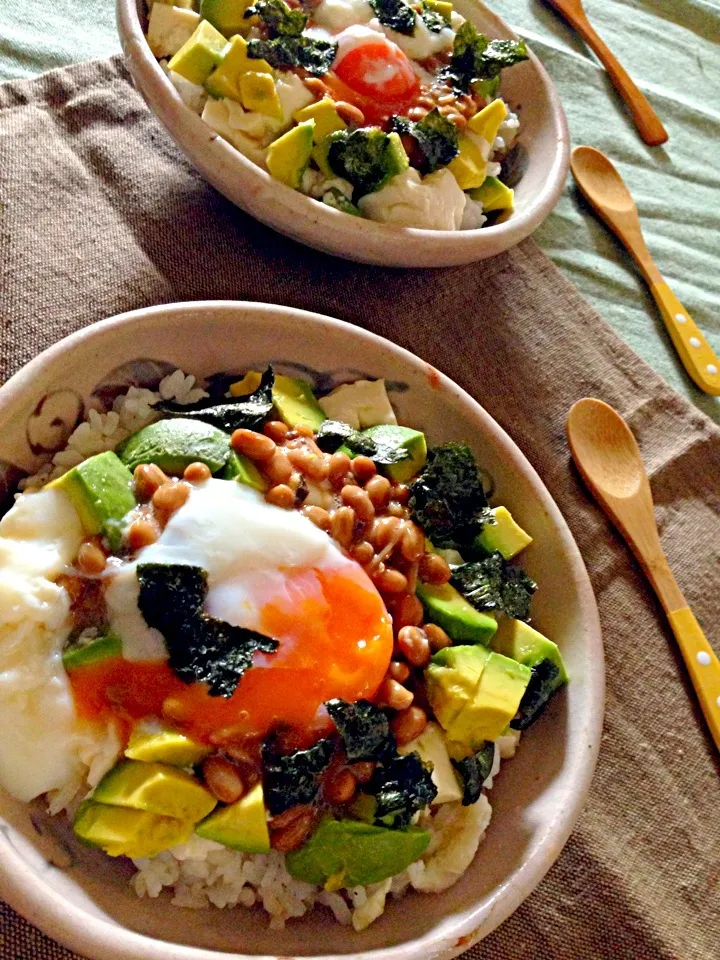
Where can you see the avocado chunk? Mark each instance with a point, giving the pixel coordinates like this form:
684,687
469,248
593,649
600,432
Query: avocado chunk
101,491
224,81
288,156
153,743
447,608
390,436
244,471
227,16
200,54
474,693
258,94
327,119
350,853
175,444
487,121
505,536
452,680
122,832
469,166
241,825
104,647
157,788
431,748
494,195
520,641
443,7
293,399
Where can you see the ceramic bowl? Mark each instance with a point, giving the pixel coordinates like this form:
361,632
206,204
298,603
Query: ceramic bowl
527,88
81,897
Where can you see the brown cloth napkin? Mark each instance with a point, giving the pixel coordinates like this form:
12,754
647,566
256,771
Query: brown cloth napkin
101,214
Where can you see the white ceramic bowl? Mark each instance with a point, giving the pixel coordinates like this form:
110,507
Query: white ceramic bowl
527,88
80,896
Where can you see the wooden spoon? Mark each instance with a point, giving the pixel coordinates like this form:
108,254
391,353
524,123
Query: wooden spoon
608,458
605,191
644,117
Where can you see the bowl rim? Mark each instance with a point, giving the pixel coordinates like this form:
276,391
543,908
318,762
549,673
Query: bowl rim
25,890
162,97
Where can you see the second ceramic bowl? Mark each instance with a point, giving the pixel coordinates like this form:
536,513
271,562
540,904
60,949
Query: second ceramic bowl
527,88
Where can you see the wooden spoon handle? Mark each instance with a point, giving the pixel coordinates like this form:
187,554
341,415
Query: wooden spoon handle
646,120
702,664
698,357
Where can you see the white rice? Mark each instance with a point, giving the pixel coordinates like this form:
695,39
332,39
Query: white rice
104,431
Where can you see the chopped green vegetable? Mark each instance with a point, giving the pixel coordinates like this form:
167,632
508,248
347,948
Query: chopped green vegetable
336,198
350,853
477,59
84,653
474,771
402,786
249,412
448,500
201,648
368,158
435,134
494,584
334,434
286,46
363,727
294,778
395,14
315,56
277,16
433,20
543,683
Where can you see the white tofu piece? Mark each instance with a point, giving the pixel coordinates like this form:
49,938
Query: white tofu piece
169,28
216,115
434,202
362,404
431,747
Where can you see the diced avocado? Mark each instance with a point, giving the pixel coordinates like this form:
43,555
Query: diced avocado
175,444
469,166
152,743
198,56
487,121
518,640
505,536
363,807
258,94
169,28
474,694
101,491
224,81
241,825
320,156
501,689
293,398
157,788
494,195
361,404
244,471
443,7
327,119
122,832
447,608
288,156
100,648
227,16
452,680
431,747
388,434
354,853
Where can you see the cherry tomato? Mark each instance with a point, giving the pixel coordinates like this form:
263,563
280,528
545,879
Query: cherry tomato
380,71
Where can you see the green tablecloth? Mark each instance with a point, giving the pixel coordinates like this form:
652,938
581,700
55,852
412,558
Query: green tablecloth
671,47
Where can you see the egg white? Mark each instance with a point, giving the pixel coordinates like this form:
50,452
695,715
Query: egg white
246,546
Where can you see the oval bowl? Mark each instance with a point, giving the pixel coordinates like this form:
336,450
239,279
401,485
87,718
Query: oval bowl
81,897
527,88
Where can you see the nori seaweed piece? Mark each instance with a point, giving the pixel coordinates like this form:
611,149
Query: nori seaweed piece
292,779
474,771
495,584
200,648
248,412
401,785
363,727
543,684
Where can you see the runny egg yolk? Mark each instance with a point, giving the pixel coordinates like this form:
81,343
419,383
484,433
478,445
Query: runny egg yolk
335,640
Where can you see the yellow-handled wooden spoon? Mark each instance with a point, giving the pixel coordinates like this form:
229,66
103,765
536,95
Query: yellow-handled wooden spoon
646,120
608,458
605,191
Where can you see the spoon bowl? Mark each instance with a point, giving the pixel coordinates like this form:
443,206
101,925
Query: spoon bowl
605,449
600,181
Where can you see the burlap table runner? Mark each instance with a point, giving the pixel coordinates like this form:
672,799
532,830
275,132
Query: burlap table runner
99,214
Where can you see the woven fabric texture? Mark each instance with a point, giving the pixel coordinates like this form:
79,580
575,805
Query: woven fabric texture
100,214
